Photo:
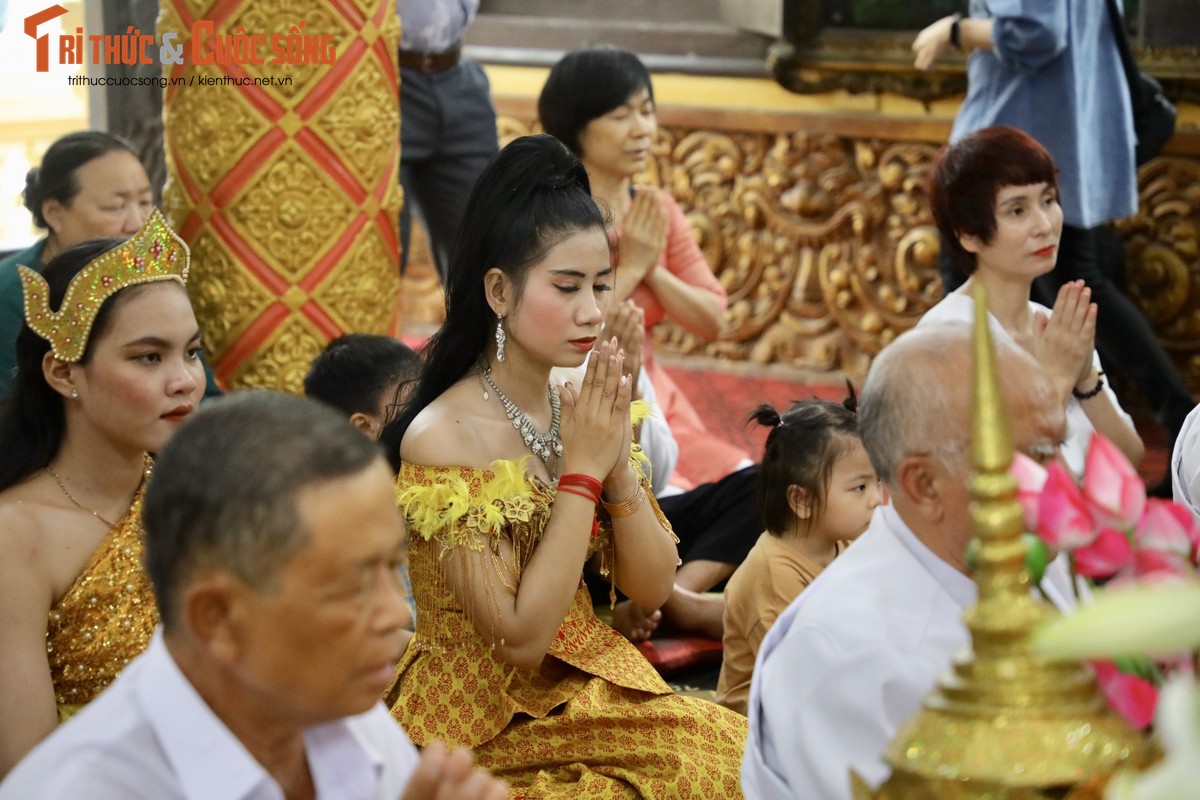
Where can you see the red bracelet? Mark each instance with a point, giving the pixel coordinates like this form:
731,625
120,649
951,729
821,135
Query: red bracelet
595,500
582,481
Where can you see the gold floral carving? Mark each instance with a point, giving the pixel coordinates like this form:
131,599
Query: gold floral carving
827,249
291,17
291,212
389,32
824,243
392,198
283,358
219,127
226,297
357,294
351,123
1162,247
199,9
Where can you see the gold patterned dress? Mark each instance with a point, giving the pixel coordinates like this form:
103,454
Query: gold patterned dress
105,619
594,720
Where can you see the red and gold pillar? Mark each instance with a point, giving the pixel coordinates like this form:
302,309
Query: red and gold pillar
283,177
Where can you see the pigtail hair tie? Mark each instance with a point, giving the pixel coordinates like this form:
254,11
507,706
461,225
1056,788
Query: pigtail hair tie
851,401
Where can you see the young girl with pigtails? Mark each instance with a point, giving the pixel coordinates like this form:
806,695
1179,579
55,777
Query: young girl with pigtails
817,492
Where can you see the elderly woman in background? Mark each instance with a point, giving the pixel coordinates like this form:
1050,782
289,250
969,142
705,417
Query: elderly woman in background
90,185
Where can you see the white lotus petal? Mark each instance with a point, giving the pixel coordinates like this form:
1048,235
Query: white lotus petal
1159,619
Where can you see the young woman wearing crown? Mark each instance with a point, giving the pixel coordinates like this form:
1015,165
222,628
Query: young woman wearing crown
100,383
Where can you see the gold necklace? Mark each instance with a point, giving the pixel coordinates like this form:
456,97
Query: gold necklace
92,511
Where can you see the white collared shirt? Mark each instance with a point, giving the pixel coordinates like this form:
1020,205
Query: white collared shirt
852,658
1185,464
150,735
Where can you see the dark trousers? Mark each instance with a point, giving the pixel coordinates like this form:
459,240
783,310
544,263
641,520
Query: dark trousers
1124,338
447,136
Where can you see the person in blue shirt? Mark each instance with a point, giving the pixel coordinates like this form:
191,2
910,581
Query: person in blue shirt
1052,69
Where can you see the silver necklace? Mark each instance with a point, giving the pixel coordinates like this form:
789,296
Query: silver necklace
545,446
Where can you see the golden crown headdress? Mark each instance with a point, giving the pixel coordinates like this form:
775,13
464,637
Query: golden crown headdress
154,253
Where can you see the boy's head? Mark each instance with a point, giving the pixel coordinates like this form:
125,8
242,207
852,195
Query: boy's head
362,375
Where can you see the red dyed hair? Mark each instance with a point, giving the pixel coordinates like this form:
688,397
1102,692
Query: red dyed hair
967,176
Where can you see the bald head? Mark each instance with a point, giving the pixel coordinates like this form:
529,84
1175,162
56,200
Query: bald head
917,399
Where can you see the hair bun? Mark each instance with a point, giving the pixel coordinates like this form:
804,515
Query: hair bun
31,197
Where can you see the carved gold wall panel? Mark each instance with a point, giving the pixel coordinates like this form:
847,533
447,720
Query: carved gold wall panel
286,185
825,241
1162,246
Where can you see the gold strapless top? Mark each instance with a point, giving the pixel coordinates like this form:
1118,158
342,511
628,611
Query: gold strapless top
450,684
106,617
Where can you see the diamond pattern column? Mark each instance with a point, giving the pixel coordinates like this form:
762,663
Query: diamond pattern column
287,194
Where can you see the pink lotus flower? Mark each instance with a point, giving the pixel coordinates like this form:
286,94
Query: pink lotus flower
1106,555
1168,528
1111,485
1063,521
1132,697
1031,477
1155,565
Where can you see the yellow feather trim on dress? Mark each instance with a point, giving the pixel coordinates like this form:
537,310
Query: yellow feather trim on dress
436,510
439,510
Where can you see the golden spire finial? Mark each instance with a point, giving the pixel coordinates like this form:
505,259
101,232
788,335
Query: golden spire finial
1003,723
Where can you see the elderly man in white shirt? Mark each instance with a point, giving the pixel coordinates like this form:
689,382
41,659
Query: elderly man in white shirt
272,534
1185,464
855,654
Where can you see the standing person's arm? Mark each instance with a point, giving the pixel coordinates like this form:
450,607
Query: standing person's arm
1024,34
932,43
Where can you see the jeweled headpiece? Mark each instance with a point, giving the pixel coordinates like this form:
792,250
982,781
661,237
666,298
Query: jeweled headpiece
154,253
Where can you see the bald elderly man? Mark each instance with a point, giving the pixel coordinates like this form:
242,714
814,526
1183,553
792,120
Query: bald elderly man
855,654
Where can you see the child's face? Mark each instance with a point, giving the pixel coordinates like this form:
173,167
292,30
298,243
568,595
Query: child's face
853,495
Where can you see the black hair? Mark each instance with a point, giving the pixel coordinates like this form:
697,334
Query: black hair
353,371
586,84
224,489
57,178
531,195
802,447
32,417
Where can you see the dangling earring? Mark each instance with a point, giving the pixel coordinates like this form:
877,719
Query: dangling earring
499,337
74,394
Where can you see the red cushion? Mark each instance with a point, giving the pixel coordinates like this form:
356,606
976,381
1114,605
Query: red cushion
671,654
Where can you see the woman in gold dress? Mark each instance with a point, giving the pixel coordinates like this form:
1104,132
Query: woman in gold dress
99,385
510,484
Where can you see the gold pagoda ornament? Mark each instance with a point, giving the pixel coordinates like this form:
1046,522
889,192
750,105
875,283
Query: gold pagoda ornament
1003,723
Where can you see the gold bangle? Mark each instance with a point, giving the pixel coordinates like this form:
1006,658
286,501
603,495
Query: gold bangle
627,506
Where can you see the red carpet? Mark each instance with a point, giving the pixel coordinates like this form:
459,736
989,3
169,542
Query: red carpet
724,398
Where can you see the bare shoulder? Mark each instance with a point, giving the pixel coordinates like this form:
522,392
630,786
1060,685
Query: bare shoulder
24,551
449,432
21,523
